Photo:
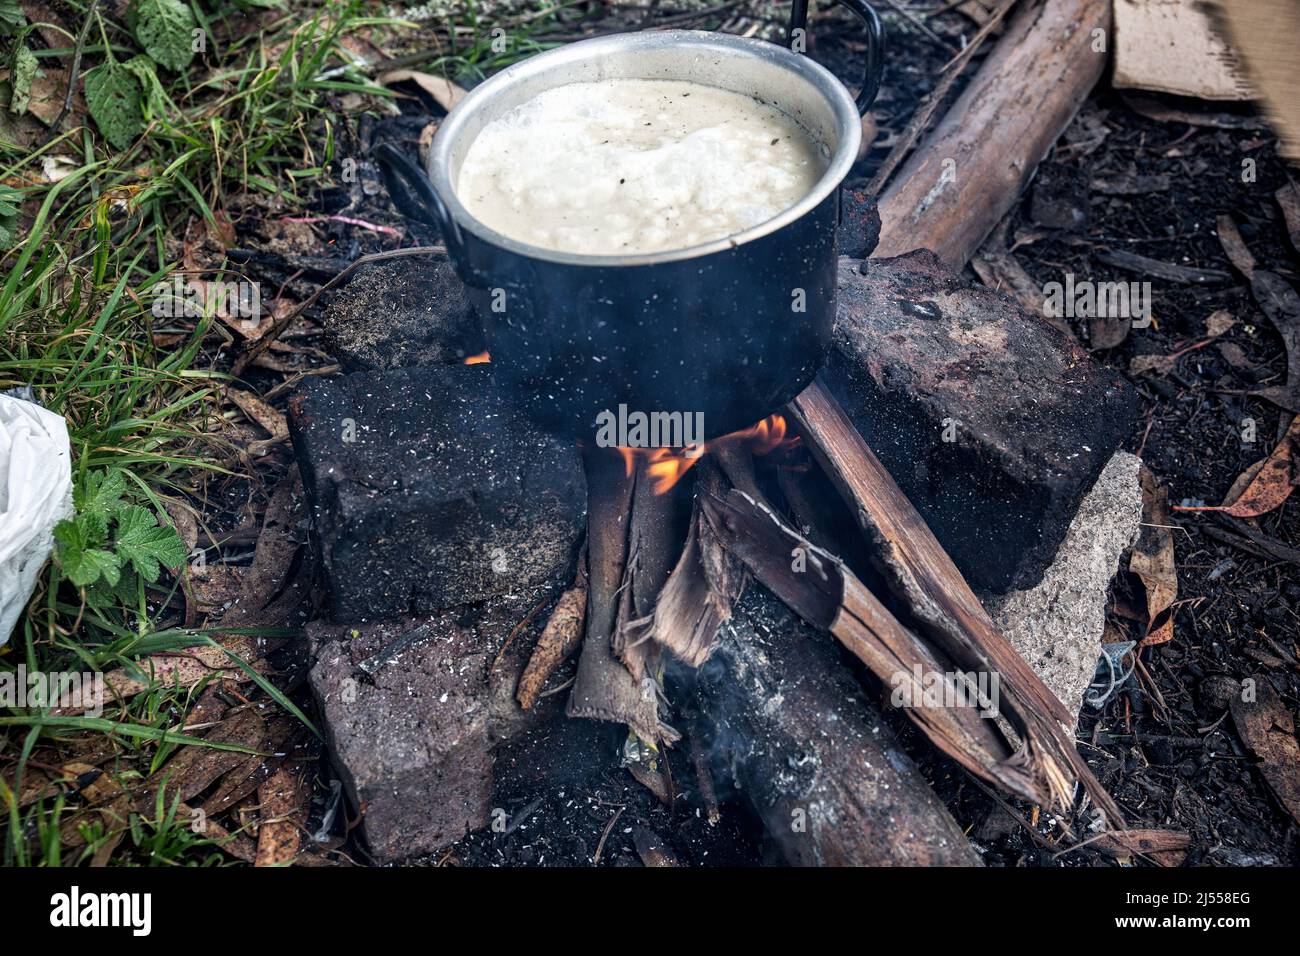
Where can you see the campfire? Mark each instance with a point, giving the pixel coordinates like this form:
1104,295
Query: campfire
722,592
673,538
705,587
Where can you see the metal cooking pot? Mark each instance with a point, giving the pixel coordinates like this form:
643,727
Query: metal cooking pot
732,328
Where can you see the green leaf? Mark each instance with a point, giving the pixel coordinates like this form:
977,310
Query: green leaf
104,595
275,693
93,564
92,528
11,17
141,541
22,69
9,201
82,564
113,96
156,100
165,30
135,731
102,492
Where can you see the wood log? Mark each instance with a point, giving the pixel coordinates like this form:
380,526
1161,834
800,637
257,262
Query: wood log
972,167
790,726
826,594
604,688
921,573
924,113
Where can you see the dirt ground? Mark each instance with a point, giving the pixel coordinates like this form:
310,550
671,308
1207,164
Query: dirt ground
1236,616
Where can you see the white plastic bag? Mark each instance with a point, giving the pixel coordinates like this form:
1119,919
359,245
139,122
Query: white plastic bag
35,495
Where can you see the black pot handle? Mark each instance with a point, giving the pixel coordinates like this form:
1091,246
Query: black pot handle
414,196
875,66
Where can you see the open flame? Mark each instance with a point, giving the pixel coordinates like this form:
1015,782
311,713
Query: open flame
666,466
479,359
765,437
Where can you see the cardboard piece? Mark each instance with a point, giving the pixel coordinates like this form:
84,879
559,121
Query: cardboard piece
1170,46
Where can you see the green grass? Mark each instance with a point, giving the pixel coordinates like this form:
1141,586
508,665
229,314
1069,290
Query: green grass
76,326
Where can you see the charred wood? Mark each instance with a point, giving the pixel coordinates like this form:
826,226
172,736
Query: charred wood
810,755
826,594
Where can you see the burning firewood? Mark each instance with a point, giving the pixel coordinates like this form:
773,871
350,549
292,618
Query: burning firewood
604,688
702,588
921,573
655,539
662,584
829,596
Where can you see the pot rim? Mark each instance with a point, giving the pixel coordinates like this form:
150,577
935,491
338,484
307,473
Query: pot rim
847,123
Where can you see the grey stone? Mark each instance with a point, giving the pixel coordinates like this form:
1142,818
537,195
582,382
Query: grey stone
414,712
407,729
994,423
397,314
1057,625
429,490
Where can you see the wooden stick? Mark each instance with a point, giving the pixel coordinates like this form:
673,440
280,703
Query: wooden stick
970,170
923,575
703,775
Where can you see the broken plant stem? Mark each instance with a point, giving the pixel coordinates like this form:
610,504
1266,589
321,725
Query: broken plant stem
79,48
921,25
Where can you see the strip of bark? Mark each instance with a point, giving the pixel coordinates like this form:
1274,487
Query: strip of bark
561,636
604,688
704,585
